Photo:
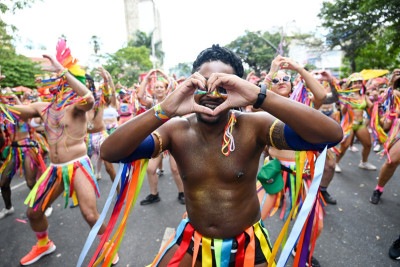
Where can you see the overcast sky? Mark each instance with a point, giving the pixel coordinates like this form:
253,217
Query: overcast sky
187,26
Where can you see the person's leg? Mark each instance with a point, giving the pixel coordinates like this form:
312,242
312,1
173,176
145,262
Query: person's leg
177,179
329,172
364,137
39,224
352,147
111,172
344,145
160,169
30,171
152,179
386,172
99,163
6,176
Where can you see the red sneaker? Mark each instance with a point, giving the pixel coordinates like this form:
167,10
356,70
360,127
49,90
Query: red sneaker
37,252
116,257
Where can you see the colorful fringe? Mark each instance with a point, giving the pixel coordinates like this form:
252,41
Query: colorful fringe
377,131
302,94
93,142
393,137
54,176
130,189
8,114
298,178
221,250
18,152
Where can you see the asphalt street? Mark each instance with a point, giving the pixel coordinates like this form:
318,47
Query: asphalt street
356,233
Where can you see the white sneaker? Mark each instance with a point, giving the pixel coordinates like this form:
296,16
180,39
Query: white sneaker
367,166
353,149
337,168
4,212
377,148
48,211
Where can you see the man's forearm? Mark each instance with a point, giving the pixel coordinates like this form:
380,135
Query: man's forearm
127,137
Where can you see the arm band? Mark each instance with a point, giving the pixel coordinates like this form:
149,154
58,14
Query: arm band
143,151
297,143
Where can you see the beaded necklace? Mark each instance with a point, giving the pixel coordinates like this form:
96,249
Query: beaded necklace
228,142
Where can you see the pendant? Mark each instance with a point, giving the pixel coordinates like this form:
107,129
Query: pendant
90,125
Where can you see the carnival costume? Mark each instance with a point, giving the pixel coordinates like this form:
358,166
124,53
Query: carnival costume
249,248
57,174
57,91
295,177
93,142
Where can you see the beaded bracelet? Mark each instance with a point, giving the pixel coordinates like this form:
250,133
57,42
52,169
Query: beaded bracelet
160,114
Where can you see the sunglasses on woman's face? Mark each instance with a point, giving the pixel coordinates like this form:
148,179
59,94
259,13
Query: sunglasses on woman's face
284,79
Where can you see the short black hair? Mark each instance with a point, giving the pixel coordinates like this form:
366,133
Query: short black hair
218,53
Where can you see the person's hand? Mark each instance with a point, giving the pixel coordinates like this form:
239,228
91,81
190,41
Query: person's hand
280,63
240,93
251,73
55,65
326,76
182,100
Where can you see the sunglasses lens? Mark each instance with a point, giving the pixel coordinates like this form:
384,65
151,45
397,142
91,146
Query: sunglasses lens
275,80
286,78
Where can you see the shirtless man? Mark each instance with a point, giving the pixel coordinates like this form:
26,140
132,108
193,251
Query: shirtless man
220,181
65,132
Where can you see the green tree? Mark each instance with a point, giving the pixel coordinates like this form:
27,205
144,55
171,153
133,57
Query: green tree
182,69
127,63
257,49
19,70
143,39
354,25
376,55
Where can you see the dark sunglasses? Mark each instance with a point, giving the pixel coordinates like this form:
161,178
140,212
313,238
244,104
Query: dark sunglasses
283,79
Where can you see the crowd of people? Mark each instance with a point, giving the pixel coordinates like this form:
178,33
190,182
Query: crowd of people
58,136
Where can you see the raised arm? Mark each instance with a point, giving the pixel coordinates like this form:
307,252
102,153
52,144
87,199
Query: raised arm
310,124
109,83
142,92
318,91
127,138
79,88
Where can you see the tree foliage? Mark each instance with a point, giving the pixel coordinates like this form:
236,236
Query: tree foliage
142,39
358,26
257,49
19,70
128,63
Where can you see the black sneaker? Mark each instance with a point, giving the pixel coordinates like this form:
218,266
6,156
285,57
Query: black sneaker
394,250
328,198
150,199
376,197
160,172
314,261
181,198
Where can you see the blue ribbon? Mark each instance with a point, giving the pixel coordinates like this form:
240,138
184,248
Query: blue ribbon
305,210
95,229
